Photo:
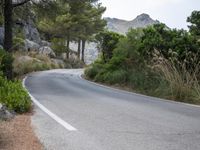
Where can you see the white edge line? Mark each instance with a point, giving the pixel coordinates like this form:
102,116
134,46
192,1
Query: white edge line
136,94
48,112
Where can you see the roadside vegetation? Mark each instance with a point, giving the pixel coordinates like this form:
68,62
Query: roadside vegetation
156,61
12,93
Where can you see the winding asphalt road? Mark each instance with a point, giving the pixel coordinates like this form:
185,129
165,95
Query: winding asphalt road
108,119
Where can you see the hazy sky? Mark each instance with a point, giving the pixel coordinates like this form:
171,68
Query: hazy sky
171,12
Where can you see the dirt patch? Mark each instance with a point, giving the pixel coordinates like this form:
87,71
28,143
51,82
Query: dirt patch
17,134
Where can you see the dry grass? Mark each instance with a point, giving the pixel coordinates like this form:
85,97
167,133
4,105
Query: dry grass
183,82
17,134
37,62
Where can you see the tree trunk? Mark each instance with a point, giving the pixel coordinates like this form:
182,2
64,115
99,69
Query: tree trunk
68,48
83,50
8,23
8,8
79,48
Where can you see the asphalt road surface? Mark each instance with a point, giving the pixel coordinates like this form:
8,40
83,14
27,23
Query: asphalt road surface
107,119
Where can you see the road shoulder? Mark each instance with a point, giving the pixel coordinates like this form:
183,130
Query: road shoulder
18,134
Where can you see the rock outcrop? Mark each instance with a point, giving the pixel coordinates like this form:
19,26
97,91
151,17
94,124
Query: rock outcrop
31,32
31,46
5,114
45,50
122,26
45,43
91,51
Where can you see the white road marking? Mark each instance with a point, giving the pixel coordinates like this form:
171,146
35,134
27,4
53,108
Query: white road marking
48,112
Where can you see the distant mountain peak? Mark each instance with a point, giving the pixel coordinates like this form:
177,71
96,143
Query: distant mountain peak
122,26
143,17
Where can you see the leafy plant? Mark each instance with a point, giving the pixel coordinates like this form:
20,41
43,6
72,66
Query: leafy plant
14,96
6,60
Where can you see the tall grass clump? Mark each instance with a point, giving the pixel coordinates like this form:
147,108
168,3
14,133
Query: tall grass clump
29,62
182,78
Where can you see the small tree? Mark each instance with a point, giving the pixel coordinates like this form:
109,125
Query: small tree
107,43
194,19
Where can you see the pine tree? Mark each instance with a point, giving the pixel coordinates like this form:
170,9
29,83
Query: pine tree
8,6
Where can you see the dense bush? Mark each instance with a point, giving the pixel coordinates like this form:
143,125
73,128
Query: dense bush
14,96
93,70
18,43
108,42
58,45
6,60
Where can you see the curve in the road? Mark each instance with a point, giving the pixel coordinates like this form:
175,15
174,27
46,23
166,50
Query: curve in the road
109,119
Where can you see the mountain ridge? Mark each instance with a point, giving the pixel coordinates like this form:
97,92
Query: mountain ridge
122,26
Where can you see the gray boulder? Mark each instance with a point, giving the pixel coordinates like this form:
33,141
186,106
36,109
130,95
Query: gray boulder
45,50
1,47
31,46
1,35
45,43
5,114
31,32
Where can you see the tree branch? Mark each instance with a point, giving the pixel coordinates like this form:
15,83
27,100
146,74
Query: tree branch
20,3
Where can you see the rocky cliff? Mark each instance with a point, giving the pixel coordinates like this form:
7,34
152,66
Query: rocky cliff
122,26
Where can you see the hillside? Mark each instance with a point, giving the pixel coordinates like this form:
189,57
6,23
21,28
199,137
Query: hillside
122,26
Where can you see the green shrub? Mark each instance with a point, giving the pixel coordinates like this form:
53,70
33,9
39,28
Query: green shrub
6,60
1,19
18,43
115,77
14,96
91,72
100,77
58,45
146,81
74,63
